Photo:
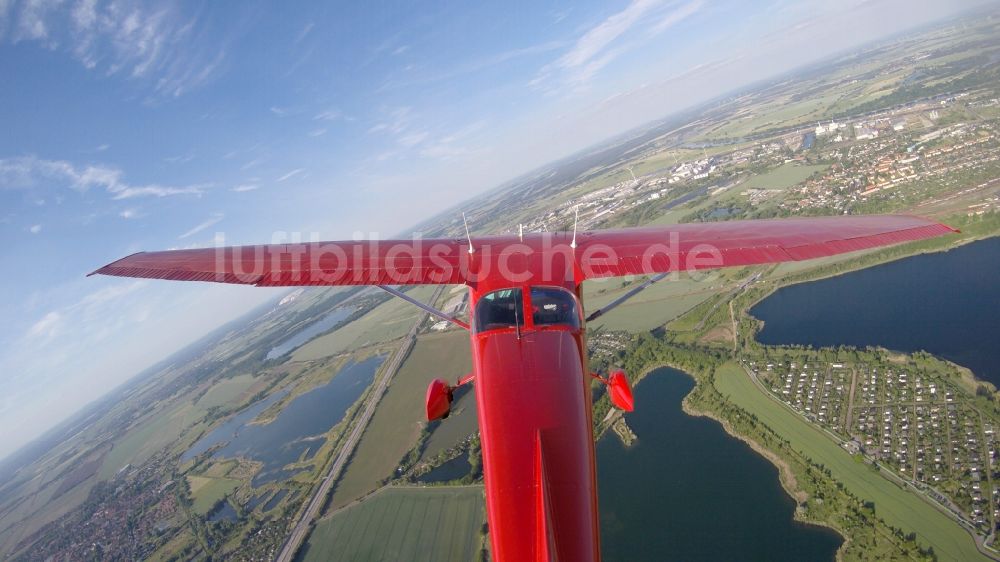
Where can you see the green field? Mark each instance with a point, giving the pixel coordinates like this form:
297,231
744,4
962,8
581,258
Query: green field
208,491
386,322
434,524
142,441
782,177
397,421
777,112
897,507
651,308
225,391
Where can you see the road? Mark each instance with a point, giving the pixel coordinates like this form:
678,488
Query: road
302,527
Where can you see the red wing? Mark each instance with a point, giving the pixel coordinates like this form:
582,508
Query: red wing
538,258
386,262
738,243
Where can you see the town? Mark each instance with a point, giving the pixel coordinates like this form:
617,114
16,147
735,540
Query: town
913,154
917,424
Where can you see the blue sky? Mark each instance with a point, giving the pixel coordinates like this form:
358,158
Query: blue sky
130,125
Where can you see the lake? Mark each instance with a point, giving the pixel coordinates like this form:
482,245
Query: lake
449,470
297,431
946,303
686,490
223,512
327,322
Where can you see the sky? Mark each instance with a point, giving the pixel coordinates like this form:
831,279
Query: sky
132,125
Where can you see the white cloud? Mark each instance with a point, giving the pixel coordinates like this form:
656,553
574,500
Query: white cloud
215,219
31,24
35,228
456,144
46,327
110,293
279,111
399,121
305,31
328,115
445,151
615,35
243,188
290,175
317,132
130,214
85,14
179,159
677,15
28,172
597,38
412,139
152,41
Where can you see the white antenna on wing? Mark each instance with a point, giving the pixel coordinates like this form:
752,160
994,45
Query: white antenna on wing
467,235
576,219
520,231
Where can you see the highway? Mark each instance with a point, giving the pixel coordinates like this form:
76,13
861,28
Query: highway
302,527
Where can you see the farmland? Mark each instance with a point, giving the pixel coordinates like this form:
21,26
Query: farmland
783,176
388,321
649,309
399,418
434,524
208,491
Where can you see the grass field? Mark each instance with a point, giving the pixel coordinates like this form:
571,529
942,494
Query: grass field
225,391
776,113
433,524
782,177
207,491
139,443
386,322
651,308
897,507
397,421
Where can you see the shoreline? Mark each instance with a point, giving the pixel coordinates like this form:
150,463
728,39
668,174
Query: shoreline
967,375
786,478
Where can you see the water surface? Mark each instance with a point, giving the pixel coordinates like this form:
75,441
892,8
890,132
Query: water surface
275,500
223,512
947,303
308,333
450,470
686,490
297,432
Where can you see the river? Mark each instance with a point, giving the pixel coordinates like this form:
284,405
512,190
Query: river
946,303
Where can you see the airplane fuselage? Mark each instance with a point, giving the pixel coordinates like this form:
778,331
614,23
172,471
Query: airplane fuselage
535,418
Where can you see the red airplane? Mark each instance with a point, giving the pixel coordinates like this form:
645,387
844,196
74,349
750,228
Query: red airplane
527,331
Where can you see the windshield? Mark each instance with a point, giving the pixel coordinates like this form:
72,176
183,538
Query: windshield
552,305
499,309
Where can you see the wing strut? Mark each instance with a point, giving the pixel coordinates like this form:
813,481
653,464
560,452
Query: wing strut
427,307
600,312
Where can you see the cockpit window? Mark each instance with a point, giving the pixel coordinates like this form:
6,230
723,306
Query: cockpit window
499,309
550,305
